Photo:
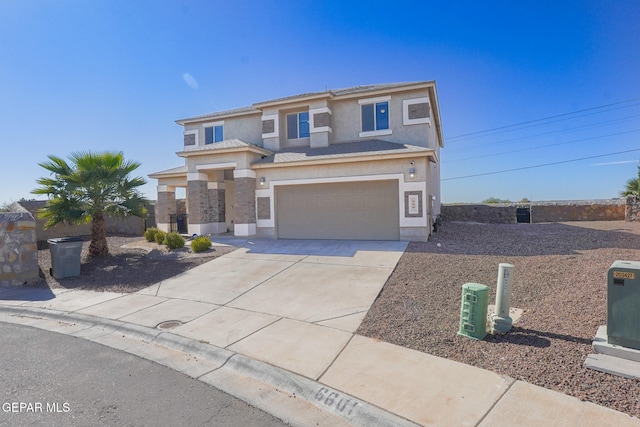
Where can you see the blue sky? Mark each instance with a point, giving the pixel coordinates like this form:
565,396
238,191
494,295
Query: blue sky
115,75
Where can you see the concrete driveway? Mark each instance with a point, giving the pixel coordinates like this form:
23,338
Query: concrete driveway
292,303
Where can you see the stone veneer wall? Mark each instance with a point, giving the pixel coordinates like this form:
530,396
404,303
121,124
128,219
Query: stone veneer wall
578,210
18,248
505,213
498,213
632,209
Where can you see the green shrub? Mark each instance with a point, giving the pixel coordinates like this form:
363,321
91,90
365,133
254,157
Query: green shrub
174,240
159,237
200,244
150,234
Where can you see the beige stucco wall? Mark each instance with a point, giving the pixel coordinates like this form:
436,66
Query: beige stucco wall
247,128
348,124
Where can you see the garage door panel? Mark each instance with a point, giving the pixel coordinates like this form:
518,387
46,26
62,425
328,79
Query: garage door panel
355,210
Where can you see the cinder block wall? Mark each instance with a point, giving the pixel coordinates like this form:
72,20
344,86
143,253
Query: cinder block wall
557,211
18,248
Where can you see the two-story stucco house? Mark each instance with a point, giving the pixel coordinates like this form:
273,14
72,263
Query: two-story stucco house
356,163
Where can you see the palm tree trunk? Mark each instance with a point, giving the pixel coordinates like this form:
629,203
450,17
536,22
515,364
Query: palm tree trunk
98,246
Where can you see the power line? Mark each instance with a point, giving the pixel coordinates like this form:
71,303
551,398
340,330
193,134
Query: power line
539,166
560,131
502,128
539,146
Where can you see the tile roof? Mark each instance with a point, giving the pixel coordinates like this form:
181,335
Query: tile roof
329,92
233,112
172,171
222,145
371,147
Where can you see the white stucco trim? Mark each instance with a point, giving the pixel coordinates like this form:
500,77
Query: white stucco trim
164,226
405,112
413,186
276,126
375,133
217,166
215,185
197,176
244,230
209,228
312,127
244,173
193,132
374,100
166,189
213,124
402,187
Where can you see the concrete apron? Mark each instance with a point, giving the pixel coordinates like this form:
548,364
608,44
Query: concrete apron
283,314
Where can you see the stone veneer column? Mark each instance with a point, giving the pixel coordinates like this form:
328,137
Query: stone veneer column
197,202
244,209
217,208
165,206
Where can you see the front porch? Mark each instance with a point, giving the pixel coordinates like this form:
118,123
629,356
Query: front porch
220,190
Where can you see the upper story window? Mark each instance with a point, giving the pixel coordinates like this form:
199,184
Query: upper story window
374,114
213,134
298,125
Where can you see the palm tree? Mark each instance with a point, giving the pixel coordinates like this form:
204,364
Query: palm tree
92,186
632,188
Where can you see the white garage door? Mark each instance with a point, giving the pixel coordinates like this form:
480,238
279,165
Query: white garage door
365,210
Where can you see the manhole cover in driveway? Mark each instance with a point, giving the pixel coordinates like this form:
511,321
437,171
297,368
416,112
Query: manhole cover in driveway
169,324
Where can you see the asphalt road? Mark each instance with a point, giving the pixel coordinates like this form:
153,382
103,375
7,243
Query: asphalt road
51,379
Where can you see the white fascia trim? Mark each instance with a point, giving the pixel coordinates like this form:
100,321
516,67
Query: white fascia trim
276,126
196,176
217,166
244,173
375,133
374,100
215,185
244,230
213,124
405,112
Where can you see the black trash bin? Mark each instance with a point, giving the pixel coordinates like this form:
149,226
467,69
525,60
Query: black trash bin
65,256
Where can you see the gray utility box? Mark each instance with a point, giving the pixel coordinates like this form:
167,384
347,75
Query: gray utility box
623,304
65,256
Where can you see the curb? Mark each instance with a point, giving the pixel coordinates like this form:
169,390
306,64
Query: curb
291,397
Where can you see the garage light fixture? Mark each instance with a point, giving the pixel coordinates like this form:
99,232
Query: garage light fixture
262,181
412,173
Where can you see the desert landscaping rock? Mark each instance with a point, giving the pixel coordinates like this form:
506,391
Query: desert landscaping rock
132,265
560,280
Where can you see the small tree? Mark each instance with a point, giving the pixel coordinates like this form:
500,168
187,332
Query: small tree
92,186
632,187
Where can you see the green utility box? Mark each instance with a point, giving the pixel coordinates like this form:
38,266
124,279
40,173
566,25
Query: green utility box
65,256
473,310
623,304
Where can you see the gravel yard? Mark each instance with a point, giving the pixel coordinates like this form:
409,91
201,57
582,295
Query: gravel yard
132,264
559,280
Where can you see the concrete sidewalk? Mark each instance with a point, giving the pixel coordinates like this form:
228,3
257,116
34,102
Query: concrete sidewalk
273,323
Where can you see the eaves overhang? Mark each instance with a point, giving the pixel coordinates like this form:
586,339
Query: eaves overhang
429,155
